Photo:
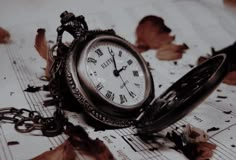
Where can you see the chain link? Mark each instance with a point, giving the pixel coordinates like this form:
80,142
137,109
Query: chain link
27,121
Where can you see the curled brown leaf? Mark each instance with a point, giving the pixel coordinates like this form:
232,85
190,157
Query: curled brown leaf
193,150
171,51
230,78
94,149
62,152
230,3
41,45
152,33
193,134
4,36
78,141
199,151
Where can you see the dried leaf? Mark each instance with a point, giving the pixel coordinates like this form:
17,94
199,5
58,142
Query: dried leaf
41,45
32,89
213,129
64,151
171,51
4,36
10,143
201,59
193,134
152,33
199,151
94,149
193,143
81,142
230,3
230,78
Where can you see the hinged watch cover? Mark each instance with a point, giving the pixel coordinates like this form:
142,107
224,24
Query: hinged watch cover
184,95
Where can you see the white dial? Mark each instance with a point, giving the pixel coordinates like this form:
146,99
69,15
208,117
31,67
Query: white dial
116,73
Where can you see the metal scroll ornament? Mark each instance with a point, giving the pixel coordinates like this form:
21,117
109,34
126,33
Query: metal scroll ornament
103,74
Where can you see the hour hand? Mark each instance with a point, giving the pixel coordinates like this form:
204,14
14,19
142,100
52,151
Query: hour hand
123,68
117,72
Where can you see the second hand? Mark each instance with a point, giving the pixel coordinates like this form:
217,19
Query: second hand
125,85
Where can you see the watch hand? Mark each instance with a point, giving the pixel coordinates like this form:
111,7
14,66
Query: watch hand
125,85
123,68
114,61
116,72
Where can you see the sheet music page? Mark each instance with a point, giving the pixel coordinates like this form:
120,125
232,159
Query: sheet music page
201,24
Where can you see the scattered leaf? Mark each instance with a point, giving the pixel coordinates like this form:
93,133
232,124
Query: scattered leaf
41,45
191,66
65,151
192,150
199,151
32,89
222,97
175,63
4,36
95,149
10,143
193,134
171,51
227,112
213,129
80,141
230,3
152,33
230,78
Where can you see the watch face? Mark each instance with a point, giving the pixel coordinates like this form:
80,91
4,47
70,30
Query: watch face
116,73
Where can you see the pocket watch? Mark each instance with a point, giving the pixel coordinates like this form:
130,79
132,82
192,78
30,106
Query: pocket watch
105,75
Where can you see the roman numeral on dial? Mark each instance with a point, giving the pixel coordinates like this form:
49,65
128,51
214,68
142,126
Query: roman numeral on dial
135,73
129,62
123,99
137,85
99,52
132,94
99,86
92,60
110,51
120,53
110,95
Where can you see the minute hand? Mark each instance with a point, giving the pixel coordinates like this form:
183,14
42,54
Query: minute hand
114,61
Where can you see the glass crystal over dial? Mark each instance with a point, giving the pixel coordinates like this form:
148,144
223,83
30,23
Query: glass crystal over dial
116,73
